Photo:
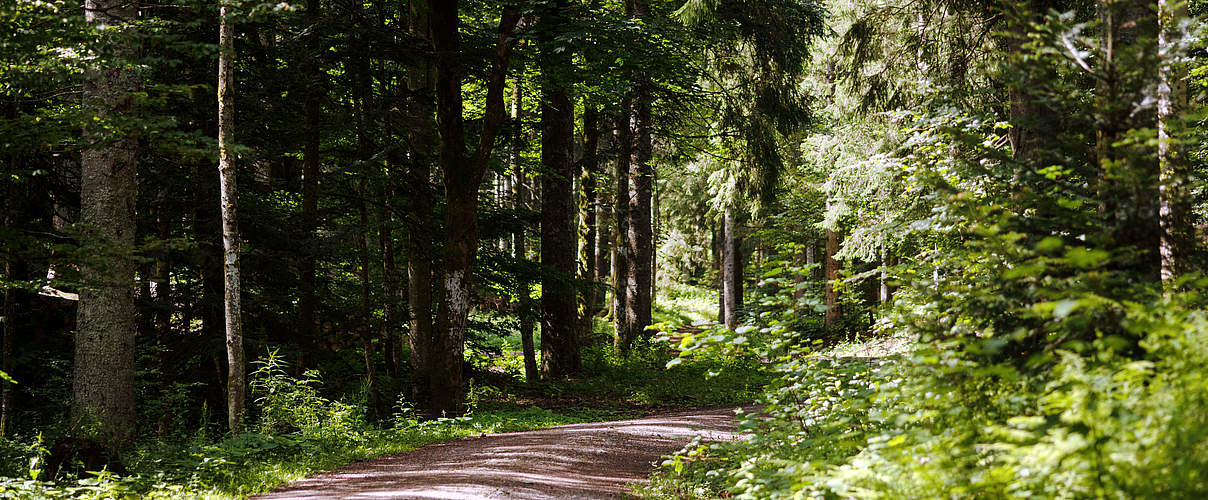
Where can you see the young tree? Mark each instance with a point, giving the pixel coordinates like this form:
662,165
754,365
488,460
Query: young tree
236,379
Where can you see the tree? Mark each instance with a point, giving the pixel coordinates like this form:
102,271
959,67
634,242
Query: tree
639,227
236,367
589,202
103,381
462,176
1175,210
622,259
421,82
731,268
1128,183
559,345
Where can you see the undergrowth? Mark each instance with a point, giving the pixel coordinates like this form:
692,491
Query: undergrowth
295,430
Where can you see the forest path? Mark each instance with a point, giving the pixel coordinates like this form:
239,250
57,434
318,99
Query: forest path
581,461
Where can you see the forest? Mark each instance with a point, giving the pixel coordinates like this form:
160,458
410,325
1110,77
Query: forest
918,248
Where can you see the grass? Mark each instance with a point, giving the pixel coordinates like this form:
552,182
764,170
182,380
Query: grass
321,434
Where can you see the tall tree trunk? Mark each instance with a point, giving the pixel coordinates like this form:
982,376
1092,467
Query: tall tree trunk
519,243
390,284
718,248
6,347
834,310
362,92
368,329
1128,191
731,268
421,82
524,290
621,259
311,168
558,314
230,223
207,230
14,272
1034,123
641,184
462,176
103,379
1178,231
589,178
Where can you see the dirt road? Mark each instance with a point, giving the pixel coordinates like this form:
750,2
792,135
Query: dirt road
596,460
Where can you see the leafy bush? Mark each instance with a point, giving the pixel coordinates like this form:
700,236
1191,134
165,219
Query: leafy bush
286,404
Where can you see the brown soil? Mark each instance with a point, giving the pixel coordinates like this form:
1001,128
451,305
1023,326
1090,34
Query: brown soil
596,460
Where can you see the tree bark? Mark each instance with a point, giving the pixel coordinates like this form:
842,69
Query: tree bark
589,178
641,184
621,260
418,211
103,379
390,285
12,274
834,310
462,176
559,344
1128,190
1175,211
311,170
1034,124
236,378
519,242
731,269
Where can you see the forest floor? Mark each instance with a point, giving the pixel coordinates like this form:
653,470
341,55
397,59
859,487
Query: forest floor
592,460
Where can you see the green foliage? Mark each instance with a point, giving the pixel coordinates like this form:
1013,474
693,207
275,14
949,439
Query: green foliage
293,405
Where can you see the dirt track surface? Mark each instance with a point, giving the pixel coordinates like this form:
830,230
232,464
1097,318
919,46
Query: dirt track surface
581,461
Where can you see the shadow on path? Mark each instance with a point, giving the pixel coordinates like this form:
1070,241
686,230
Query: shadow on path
595,460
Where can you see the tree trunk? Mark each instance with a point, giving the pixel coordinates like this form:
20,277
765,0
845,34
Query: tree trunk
559,344
207,230
1128,190
103,379
1178,230
390,284
230,223
884,290
362,91
418,213
589,178
641,185
519,243
462,176
834,310
731,269
524,291
307,299
1034,124
367,329
621,260
9,326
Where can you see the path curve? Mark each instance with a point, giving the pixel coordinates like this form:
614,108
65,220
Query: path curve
580,461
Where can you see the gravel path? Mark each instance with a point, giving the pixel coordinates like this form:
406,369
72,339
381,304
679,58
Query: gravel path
596,460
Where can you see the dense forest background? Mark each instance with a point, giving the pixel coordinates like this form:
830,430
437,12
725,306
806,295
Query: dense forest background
260,233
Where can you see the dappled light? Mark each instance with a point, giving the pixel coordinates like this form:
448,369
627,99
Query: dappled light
597,460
